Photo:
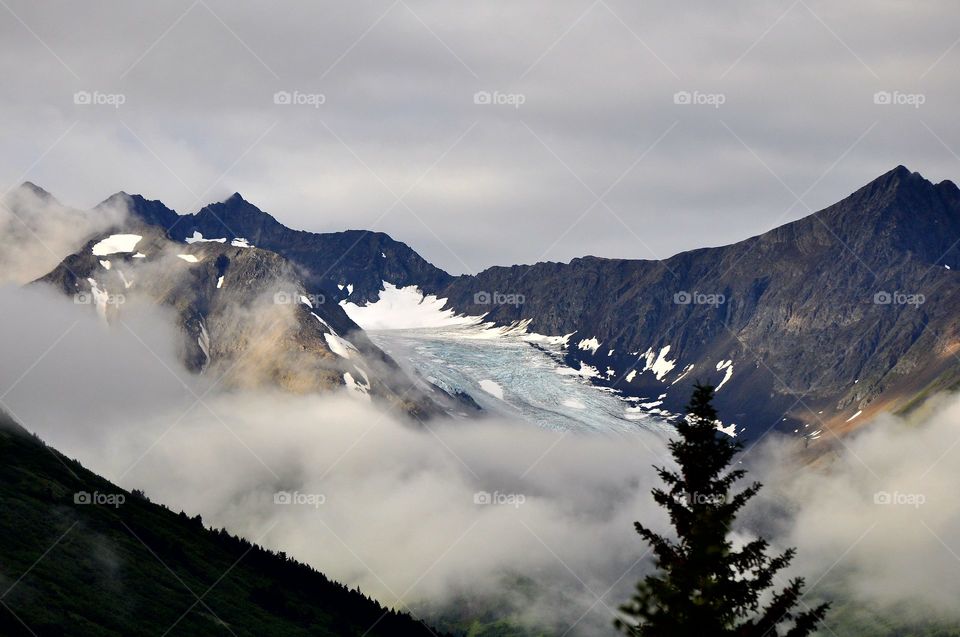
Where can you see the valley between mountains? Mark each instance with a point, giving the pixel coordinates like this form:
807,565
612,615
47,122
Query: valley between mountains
456,446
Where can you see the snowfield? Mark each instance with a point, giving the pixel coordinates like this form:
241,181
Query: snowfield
404,308
116,243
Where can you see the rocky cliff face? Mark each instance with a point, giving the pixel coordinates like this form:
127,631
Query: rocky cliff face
327,261
849,310
248,319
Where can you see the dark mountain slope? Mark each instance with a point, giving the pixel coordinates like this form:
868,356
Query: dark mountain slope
360,258
803,311
136,568
849,309
247,317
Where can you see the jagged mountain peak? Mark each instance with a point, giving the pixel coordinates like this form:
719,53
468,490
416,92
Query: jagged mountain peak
330,261
899,213
235,205
235,201
302,342
886,187
142,210
123,196
899,185
33,190
118,198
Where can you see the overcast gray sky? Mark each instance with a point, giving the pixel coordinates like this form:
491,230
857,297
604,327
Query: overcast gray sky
597,159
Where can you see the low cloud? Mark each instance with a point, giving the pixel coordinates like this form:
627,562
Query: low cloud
37,232
484,515
878,522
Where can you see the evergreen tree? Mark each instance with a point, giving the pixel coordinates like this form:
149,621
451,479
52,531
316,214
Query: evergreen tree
703,586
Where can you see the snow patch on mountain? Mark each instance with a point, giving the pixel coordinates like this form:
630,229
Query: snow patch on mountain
116,243
727,368
730,430
404,308
126,283
589,345
586,371
322,322
658,363
339,346
492,388
100,298
356,388
189,258
198,238
204,342
686,370
556,341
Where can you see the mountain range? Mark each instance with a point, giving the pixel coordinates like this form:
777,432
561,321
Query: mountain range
812,327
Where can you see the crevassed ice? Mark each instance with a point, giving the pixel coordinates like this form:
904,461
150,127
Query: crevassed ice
535,382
